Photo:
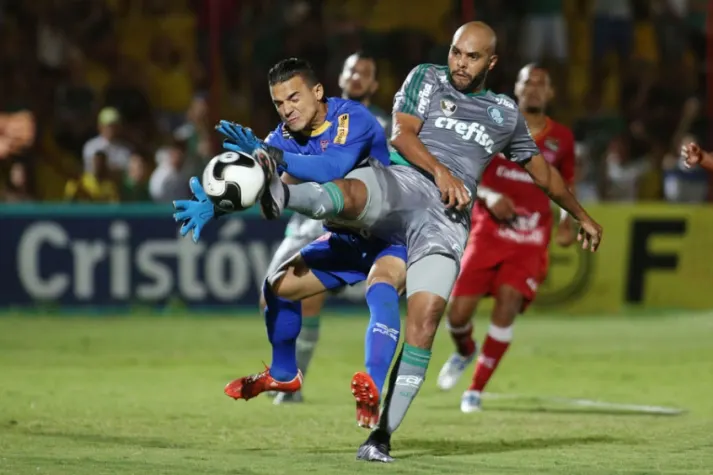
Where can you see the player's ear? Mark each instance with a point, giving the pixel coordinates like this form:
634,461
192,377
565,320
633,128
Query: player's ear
493,62
374,86
318,91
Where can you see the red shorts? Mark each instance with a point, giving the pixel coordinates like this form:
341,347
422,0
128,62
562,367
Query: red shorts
488,264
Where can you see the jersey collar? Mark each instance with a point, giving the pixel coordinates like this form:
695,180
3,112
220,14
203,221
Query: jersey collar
545,130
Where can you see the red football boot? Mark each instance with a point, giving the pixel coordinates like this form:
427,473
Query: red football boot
250,386
366,395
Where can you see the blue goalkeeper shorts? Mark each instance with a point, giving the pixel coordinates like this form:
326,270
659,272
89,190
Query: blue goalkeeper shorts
339,259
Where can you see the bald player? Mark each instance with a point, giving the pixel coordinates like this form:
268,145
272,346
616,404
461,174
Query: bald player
507,254
447,128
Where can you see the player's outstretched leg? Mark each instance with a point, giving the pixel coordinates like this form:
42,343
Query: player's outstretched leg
306,343
283,319
429,282
344,198
508,304
385,281
460,327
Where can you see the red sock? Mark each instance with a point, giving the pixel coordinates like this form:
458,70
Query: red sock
496,344
463,339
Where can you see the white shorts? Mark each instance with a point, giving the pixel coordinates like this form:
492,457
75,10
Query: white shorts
308,231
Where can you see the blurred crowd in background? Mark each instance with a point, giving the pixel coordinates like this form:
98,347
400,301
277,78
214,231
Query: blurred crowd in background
124,93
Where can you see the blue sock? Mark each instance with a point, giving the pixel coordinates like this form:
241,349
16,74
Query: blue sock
283,319
382,335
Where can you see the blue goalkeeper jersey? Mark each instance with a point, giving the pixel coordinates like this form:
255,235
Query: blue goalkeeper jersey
349,136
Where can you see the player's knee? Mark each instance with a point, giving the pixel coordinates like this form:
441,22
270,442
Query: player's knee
424,315
355,196
508,303
284,282
388,270
312,306
461,310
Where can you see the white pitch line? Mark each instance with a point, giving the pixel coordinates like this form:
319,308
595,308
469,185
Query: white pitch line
672,411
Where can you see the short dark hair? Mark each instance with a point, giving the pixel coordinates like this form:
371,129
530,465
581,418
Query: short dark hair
289,68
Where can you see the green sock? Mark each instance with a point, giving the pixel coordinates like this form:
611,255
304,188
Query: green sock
306,342
410,373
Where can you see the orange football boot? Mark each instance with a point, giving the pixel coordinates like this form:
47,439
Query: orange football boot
250,386
366,395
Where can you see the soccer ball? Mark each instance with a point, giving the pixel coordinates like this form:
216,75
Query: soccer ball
233,181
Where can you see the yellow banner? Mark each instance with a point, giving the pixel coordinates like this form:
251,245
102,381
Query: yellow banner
653,256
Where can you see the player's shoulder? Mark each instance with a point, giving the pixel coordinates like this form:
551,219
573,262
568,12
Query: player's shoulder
339,106
429,71
344,112
430,67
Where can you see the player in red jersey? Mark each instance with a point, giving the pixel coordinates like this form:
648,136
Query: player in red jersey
693,156
507,254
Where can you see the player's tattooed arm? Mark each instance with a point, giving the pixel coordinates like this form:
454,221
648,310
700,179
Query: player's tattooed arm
405,140
549,179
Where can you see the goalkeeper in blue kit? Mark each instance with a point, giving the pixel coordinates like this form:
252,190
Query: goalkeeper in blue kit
320,139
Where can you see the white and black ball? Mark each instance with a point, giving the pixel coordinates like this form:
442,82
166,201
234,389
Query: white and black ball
233,181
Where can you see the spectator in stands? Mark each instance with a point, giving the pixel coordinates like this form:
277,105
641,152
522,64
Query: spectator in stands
172,82
544,37
612,31
17,133
75,107
624,171
108,141
669,17
696,16
53,45
19,184
196,132
135,186
170,181
231,36
96,185
585,176
544,32
127,92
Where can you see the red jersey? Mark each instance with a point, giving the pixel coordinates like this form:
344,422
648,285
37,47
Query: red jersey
533,224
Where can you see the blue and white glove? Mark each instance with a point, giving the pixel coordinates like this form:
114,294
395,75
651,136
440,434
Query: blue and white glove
240,139
194,213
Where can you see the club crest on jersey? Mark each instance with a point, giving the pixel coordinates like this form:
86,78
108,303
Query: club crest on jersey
552,143
496,115
323,144
448,106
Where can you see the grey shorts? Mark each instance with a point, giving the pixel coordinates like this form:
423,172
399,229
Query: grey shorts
405,207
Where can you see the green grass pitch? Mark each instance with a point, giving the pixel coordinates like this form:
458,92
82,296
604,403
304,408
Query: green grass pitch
144,395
